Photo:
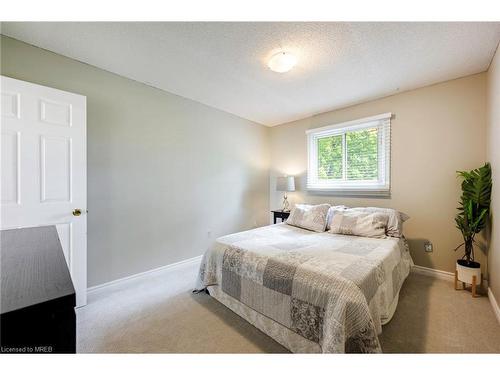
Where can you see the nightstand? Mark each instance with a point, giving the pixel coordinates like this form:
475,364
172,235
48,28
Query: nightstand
280,214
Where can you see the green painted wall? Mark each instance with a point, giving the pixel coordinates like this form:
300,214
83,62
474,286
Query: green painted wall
161,171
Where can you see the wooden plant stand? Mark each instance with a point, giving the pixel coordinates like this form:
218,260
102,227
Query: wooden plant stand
473,285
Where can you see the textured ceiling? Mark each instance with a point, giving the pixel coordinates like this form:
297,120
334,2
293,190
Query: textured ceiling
224,66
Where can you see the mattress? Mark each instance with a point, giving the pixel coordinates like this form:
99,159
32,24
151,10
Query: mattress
312,292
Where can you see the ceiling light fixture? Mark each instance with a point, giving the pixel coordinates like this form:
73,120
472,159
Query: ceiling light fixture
282,62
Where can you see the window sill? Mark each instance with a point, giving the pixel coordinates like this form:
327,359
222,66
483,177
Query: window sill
350,192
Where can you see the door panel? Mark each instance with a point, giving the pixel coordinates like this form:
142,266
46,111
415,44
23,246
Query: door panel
10,104
55,174
10,167
44,175
55,113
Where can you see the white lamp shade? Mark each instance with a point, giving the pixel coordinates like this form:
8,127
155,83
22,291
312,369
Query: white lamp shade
286,183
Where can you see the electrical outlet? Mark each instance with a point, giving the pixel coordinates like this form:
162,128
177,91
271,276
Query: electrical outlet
428,247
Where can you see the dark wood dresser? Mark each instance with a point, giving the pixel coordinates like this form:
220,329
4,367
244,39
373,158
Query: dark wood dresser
283,215
37,295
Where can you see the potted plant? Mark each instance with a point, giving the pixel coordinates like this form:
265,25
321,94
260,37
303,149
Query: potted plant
471,219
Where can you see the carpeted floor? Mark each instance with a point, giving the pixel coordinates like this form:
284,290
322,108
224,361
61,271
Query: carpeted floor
161,315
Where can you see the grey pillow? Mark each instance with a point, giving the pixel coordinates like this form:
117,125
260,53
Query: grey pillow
309,217
394,225
331,212
396,219
359,223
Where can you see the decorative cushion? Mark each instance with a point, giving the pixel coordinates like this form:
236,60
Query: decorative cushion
394,225
396,219
358,223
331,212
309,217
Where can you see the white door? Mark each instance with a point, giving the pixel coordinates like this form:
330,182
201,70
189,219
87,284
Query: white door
44,172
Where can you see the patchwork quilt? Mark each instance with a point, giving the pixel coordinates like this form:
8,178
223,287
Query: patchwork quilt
331,289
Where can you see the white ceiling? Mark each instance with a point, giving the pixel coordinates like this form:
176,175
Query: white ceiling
224,66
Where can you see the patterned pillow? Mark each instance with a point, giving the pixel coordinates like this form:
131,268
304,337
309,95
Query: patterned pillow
358,223
396,219
309,217
331,212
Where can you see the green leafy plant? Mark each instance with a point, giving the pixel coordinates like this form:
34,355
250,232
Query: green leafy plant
361,149
474,207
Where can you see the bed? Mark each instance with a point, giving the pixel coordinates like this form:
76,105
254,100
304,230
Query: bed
311,292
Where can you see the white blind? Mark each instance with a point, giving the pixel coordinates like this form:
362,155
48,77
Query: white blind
352,157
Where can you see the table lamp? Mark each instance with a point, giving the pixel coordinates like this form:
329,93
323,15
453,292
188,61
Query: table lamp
286,184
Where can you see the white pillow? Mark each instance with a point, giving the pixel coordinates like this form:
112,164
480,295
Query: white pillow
309,217
394,225
331,212
359,223
396,219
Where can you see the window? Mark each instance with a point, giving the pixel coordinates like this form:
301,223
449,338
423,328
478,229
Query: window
351,158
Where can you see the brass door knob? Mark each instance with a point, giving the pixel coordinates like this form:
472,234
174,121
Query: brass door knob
77,212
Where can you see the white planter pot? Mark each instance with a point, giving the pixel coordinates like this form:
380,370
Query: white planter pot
465,274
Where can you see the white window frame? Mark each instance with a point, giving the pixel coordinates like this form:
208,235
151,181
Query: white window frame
380,187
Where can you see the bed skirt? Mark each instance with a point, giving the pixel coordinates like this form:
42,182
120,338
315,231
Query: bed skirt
284,336
279,333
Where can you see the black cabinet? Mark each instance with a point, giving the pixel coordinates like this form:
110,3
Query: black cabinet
283,215
37,295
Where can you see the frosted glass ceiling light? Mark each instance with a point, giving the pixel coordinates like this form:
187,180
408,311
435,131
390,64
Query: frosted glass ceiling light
282,62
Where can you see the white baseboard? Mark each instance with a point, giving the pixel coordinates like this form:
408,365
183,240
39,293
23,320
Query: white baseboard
443,275
145,274
494,304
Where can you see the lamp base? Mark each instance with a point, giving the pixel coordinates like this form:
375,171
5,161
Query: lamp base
286,205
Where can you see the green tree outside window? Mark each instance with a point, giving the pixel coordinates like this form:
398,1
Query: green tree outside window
361,154
330,153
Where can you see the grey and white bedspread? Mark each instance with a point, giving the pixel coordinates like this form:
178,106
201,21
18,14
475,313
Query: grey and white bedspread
331,289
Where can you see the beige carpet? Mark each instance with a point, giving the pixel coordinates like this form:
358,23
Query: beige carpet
160,315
